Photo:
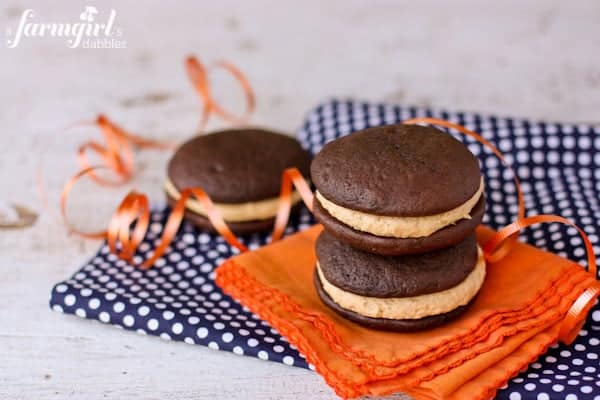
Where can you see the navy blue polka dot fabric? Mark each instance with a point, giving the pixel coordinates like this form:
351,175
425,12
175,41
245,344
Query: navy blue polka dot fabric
559,165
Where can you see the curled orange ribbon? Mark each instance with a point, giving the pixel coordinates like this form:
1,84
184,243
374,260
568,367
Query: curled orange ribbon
520,198
198,74
117,153
134,209
129,224
290,176
574,319
499,245
176,216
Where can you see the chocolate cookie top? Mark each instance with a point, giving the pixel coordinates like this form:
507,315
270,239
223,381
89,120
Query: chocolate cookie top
397,170
373,275
237,166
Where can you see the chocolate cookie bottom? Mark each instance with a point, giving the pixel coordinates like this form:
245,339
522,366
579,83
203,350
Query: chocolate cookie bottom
396,325
389,246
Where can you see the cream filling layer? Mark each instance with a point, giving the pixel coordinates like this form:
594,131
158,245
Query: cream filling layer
400,227
234,212
409,307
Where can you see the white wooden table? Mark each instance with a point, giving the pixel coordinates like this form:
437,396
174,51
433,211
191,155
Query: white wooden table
532,58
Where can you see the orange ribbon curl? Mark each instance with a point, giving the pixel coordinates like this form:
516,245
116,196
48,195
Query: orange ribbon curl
574,319
499,245
134,211
198,74
290,177
520,198
117,153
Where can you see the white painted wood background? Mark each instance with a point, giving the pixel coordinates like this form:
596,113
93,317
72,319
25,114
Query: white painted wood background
526,58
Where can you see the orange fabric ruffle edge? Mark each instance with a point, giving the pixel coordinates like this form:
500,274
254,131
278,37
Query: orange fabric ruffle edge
352,370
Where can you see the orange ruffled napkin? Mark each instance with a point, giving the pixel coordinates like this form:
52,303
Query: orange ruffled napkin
514,319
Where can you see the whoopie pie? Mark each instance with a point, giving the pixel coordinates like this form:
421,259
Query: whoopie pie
240,169
398,293
398,189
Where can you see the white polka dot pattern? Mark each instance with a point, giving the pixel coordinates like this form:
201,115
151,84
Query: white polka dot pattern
559,165
177,299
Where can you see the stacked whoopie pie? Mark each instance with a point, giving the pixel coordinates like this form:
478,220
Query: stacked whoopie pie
399,205
240,169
